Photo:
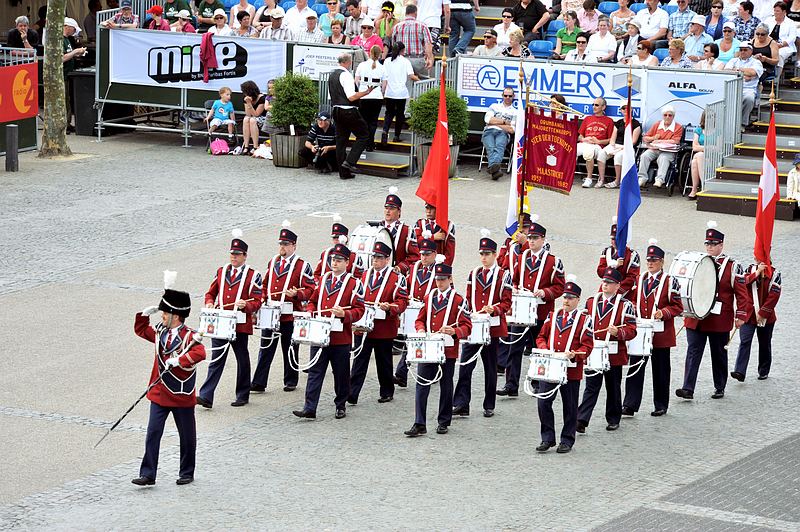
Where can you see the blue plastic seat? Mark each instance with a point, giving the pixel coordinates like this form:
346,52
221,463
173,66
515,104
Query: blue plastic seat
554,26
669,9
607,8
638,6
321,9
287,5
541,49
660,54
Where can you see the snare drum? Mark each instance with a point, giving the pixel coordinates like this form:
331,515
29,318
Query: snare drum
547,366
218,323
362,240
481,323
408,318
524,309
697,275
367,321
311,331
642,344
427,349
598,361
269,317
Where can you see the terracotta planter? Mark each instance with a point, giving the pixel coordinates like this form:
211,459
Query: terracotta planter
285,150
423,152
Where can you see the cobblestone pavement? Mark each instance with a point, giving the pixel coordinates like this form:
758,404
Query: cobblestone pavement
95,233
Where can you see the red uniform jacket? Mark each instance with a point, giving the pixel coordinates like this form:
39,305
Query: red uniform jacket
348,294
324,266
555,334
435,309
551,279
225,291
393,291
406,252
176,389
669,303
420,281
293,273
764,292
446,247
731,286
492,289
625,319
510,254
628,267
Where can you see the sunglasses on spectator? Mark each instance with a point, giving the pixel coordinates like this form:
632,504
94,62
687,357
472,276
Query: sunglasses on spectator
507,16
219,18
716,7
669,114
640,48
581,42
726,30
331,3
760,34
508,95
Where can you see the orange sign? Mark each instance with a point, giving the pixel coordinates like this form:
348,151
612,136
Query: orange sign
19,92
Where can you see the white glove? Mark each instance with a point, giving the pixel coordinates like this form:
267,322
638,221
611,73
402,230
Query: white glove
149,311
172,362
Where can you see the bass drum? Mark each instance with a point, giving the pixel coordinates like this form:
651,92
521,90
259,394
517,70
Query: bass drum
697,275
363,239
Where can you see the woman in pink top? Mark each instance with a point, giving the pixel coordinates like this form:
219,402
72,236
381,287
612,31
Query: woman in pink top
368,38
588,17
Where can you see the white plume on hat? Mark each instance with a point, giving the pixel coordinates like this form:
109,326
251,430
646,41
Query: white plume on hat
534,218
337,218
392,190
485,233
237,233
169,279
342,239
712,224
613,263
571,278
286,224
613,219
426,234
440,258
652,242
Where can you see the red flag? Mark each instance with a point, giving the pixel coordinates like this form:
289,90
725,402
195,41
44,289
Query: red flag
433,185
768,196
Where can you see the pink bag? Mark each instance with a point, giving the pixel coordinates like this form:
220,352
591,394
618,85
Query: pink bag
219,147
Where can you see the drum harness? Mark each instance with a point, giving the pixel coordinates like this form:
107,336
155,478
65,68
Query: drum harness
591,372
638,366
277,333
526,386
522,262
422,381
402,348
495,274
223,276
357,351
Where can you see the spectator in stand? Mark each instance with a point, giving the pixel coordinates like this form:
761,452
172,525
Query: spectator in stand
125,18
615,143
579,55
255,115
588,16
242,6
184,22
489,47
794,13
172,8
566,36
337,34
500,119
371,8
697,39
715,20
677,56
730,8
309,33
629,45
517,46
40,24
244,29
220,27
297,16
602,44
462,16
417,40
701,7
71,30
395,90
644,55
558,104
221,112
653,21
709,60
368,38
386,21
698,157
571,5
531,16
205,13
680,20
332,14
751,69
765,49
320,145
784,31
352,25
505,27
277,30
90,21
662,141
22,36
728,44
621,17
371,73
157,22
745,22
593,136
793,180
263,16
431,13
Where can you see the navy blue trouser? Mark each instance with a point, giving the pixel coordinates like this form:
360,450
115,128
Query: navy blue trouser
764,334
613,382
428,371
219,354
515,352
339,358
383,364
569,397
401,371
694,355
634,385
502,353
184,421
463,393
267,354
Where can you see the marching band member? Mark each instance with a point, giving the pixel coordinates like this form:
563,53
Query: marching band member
176,355
488,292
443,312
324,265
765,290
717,326
656,296
612,316
405,244
541,273
385,289
566,331
445,241
339,294
628,266
235,286
285,275
419,282
508,258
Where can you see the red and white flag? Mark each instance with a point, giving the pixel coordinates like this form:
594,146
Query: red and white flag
433,186
768,196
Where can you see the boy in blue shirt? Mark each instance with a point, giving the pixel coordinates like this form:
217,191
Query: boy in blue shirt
222,112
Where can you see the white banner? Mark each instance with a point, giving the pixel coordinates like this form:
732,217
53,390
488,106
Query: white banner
313,60
170,59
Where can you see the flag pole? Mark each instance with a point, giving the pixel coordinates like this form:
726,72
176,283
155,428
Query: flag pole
521,172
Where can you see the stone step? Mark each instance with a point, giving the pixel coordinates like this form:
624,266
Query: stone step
757,150
741,162
742,204
781,141
751,177
384,164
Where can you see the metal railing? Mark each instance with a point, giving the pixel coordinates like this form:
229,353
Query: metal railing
324,95
722,128
17,56
138,7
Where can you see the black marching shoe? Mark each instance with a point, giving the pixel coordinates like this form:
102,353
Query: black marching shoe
399,382
416,430
488,413
563,448
683,393
442,429
305,413
349,167
352,401
738,376
460,411
289,388
627,411
612,426
143,481
202,402
763,377
658,413
239,403
502,392
581,427
718,394
184,480
340,413
385,399
258,389
545,446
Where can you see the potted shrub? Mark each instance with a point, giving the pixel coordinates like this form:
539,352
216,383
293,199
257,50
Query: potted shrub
425,111
296,103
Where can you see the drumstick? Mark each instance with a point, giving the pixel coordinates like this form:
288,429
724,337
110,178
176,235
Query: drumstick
681,329
229,304
283,291
330,309
733,333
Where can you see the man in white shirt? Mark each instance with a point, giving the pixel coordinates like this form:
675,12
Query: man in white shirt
654,21
500,120
352,24
751,68
296,16
277,30
489,48
697,39
429,12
